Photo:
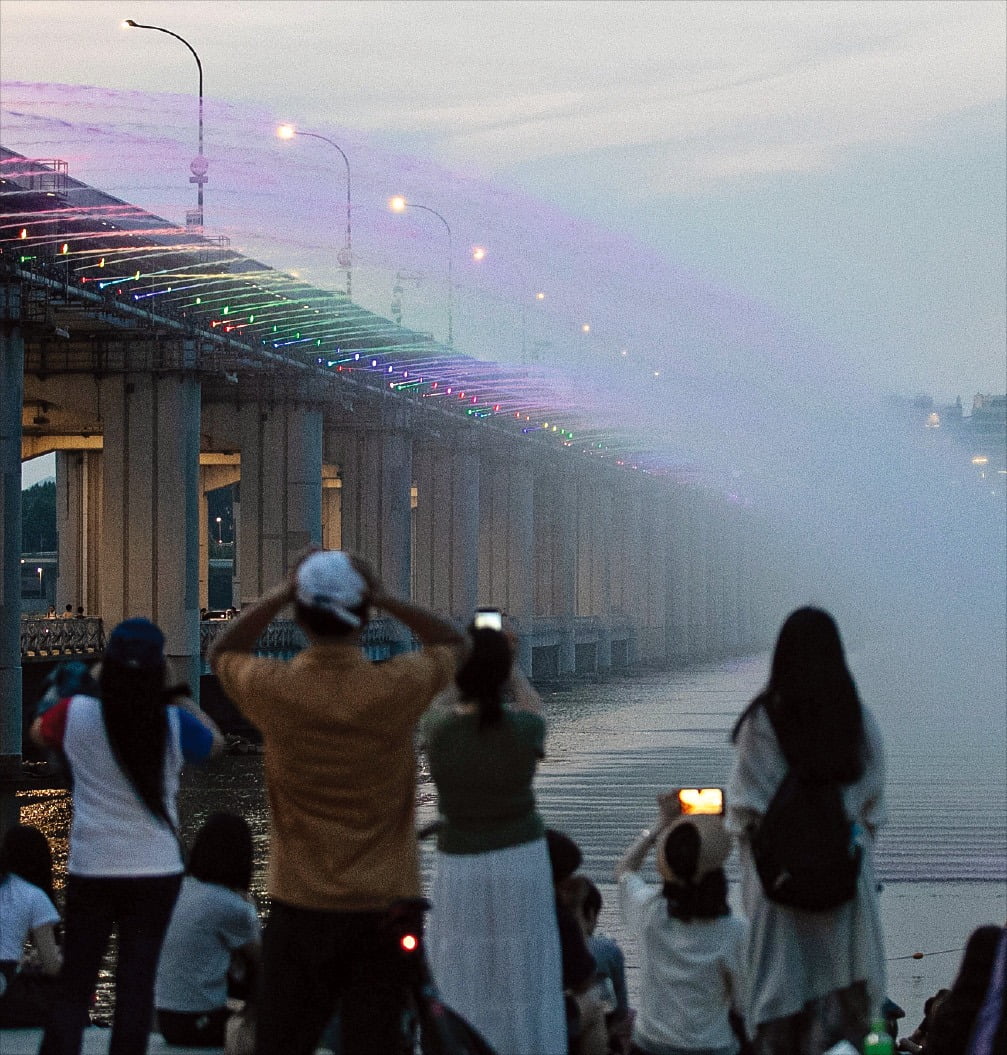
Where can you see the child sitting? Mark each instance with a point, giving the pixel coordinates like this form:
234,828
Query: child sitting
691,947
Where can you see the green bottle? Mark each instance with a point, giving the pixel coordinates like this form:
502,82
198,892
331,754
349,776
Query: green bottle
879,1040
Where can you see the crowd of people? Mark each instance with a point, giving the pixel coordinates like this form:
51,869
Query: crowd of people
512,939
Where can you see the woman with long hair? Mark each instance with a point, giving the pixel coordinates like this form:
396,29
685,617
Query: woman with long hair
27,911
815,976
213,925
125,747
493,940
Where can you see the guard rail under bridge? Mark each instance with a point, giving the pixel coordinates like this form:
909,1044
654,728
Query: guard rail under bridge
44,640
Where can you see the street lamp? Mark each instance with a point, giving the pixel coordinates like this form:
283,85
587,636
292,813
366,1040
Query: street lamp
198,166
39,570
220,540
399,204
345,255
479,253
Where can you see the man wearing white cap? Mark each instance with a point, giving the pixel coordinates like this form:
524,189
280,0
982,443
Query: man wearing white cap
341,782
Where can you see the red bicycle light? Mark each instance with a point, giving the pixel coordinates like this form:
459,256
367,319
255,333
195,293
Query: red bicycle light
408,942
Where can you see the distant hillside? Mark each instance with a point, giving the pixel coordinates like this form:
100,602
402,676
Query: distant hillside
38,517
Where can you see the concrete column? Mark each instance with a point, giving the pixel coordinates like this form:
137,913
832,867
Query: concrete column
11,397
652,572
281,492
332,507
555,575
595,525
556,543
79,505
150,527
506,540
446,550
376,467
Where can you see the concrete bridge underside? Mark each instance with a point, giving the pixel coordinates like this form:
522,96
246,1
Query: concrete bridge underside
599,566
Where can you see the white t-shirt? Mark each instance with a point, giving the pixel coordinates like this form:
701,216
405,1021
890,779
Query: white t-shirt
208,924
23,908
691,973
112,832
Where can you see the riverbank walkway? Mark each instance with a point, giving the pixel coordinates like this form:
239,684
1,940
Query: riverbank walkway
26,1042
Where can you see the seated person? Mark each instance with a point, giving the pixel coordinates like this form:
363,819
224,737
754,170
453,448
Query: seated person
214,923
585,900
27,910
692,950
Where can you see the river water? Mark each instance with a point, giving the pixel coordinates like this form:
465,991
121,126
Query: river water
613,747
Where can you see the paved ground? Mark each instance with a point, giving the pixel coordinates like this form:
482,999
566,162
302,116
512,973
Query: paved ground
26,1042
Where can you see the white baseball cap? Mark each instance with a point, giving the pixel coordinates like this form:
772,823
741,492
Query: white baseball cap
328,581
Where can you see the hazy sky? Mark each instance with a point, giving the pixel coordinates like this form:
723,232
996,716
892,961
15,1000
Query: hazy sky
842,162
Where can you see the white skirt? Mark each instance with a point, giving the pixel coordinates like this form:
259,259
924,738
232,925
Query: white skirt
493,945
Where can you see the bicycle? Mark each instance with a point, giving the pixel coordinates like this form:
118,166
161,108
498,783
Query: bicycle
435,1027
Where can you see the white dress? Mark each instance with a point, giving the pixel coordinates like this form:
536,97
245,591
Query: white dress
795,956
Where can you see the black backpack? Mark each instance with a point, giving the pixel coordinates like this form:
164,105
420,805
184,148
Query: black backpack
804,848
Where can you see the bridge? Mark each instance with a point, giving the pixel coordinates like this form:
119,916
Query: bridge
159,366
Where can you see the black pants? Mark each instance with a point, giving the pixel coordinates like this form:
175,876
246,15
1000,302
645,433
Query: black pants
314,961
140,910
193,1029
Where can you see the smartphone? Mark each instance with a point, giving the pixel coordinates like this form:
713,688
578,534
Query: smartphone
488,619
701,800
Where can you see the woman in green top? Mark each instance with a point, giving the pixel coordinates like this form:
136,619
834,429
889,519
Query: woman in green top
493,939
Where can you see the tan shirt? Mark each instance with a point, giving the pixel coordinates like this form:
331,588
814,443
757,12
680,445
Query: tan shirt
340,768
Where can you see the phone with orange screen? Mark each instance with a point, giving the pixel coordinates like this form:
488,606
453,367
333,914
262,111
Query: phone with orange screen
701,800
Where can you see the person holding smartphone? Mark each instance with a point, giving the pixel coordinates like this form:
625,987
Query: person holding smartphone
691,948
493,938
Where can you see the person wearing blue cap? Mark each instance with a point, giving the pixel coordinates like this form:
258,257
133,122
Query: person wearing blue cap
124,745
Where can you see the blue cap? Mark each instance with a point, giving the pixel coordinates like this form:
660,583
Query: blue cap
136,643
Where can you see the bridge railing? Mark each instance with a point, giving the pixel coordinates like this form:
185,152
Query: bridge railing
382,638
43,638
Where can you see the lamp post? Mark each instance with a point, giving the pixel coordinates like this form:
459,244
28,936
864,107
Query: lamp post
528,292
220,538
399,204
345,255
198,166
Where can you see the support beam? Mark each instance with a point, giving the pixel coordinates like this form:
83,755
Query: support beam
506,540
446,519
79,514
375,460
150,530
280,500
11,394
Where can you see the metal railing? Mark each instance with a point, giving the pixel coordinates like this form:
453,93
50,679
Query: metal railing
43,638
382,638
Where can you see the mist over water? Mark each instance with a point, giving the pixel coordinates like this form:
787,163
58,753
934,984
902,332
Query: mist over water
865,514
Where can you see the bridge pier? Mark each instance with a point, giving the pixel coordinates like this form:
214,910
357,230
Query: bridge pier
555,579
507,541
79,504
150,531
280,511
11,397
375,462
446,519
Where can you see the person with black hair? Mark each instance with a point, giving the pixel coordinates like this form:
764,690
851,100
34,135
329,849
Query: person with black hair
214,923
340,767
691,948
27,911
952,1029
125,747
816,977
493,941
